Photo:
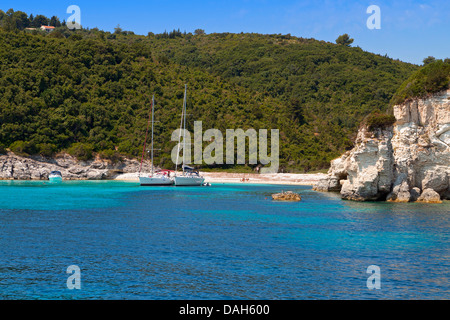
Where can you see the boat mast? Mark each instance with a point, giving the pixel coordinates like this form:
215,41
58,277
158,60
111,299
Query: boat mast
145,142
184,131
153,118
179,137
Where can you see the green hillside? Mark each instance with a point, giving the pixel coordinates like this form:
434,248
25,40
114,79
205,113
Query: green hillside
90,90
431,78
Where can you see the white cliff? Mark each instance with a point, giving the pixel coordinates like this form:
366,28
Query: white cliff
409,161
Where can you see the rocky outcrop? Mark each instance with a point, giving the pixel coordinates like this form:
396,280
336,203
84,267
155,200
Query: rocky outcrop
409,161
429,196
287,196
13,167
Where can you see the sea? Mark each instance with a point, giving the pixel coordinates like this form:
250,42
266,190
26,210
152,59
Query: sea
110,240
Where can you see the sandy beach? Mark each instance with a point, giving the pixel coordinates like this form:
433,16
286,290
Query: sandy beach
223,177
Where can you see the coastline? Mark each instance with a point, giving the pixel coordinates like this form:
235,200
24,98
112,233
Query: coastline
225,177
14,167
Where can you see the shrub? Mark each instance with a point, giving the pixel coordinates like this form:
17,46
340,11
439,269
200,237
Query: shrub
112,155
23,148
76,37
128,148
56,34
82,151
47,149
2,149
378,120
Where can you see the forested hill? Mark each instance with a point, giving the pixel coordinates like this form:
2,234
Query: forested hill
432,78
90,90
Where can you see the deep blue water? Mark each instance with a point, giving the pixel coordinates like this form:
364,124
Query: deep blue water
219,242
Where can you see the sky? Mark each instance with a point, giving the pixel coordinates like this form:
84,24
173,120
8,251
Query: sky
410,30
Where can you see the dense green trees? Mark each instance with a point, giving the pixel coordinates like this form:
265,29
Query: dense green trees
432,78
89,91
18,20
39,21
54,21
326,89
14,20
84,94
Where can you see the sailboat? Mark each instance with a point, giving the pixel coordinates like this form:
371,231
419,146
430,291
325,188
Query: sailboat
190,177
160,177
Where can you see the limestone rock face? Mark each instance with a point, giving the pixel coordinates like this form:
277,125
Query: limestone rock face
429,196
336,174
415,194
369,167
401,191
13,167
398,162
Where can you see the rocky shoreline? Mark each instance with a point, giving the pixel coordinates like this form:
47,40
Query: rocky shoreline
13,167
406,162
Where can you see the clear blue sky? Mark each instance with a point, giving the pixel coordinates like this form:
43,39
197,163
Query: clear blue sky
410,30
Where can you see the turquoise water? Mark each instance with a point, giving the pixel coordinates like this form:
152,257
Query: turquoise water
219,242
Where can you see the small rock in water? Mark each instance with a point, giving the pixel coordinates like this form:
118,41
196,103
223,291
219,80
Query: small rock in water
287,196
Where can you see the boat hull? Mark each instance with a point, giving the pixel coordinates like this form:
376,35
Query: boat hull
55,179
155,181
189,181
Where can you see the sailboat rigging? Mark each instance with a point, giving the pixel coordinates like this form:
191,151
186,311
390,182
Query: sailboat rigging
160,177
190,177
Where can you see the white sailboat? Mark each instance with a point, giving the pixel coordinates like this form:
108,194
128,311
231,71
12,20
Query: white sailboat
158,178
190,177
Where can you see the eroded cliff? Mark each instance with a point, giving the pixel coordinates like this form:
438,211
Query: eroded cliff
406,162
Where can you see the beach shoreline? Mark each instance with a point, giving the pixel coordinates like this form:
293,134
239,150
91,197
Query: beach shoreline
237,178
